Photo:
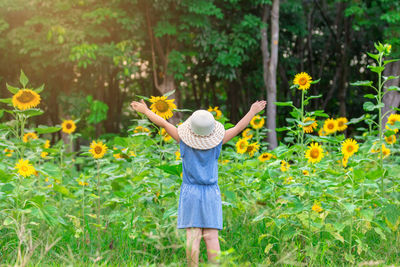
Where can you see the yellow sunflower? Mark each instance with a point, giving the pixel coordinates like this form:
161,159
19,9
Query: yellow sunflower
317,208
385,151
315,153
321,132
284,166
97,149
312,125
247,133
162,106
166,136
341,124
218,113
345,160
257,122
252,148
392,120
132,154
29,136
117,156
46,144
241,145
330,126
25,168
306,173
68,126
390,139
141,129
265,156
25,99
83,183
303,80
8,152
349,147
44,154
177,155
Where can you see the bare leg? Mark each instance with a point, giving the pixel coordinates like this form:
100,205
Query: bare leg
193,237
212,243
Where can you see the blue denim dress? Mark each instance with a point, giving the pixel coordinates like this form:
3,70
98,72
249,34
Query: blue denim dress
200,198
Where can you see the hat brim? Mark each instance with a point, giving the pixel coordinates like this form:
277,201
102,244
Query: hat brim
198,141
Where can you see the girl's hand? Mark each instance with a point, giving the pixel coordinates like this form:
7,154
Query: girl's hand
258,106
139,106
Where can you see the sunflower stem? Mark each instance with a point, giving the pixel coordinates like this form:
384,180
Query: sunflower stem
98,206
380,122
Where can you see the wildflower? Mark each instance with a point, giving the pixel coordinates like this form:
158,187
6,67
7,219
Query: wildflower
132,154
265,156
252,148
25,168
288,180
241,146
83,183
25,99
392,120
303,80
162,106
312,124
345,161
317,208
8,152
28,136
390,139
315,153
246,134
141,129
218,113
177,155
47,144
44,154
284,166
349,147
330,126
341,124
166,136
98,149
117,156
68,126
306,173
257,122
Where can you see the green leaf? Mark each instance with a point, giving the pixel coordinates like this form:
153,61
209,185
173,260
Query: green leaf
12,89
370,96
356,120
362,83
23,79
368,106
6,100
316,81
167,94
143,97
313,96
33,112
42,129
389,133
1,113
374,56
380,232
392,213
39,89
183,110
389,61
171,169
393,88
283,104
376,69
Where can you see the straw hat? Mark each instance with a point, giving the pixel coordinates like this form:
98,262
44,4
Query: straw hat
201,130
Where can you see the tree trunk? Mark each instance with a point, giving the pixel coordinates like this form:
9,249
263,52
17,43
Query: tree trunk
391,98
270,62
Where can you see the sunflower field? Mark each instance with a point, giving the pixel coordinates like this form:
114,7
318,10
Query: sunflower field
320,198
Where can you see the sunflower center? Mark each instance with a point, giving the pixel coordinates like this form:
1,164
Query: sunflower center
249,148
68,126
24,168
26,97
303,81
331,126
340,123
241,145
349,148
98,150
314,153
162,106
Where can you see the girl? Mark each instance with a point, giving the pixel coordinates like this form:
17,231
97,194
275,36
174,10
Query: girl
200,139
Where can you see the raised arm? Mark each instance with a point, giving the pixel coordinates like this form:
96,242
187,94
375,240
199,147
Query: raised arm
232,132
161,122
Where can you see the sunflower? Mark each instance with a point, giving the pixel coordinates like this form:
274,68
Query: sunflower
385,151
246,133
162,106
312,124
349,147
303,80
257,122
341,124
218,113
83,183
177,155
8,152
265,156
25,168
132,154
46,144
25,99
98,149
28,136
390,139
252,148
330,126
306,173
288,180
141,129
392,120
345,160
284,166
68,126
317,208
117,156
44,154
321,132
315,153
166,136
241,145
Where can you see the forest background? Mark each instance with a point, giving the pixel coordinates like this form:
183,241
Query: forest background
96,56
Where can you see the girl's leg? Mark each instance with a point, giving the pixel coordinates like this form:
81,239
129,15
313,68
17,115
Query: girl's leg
212,243
193,237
